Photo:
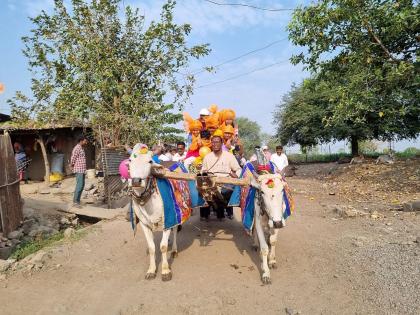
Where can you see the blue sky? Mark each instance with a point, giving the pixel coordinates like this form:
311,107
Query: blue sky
230,31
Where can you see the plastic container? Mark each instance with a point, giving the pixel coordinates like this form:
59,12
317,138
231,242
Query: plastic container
91,173
57,163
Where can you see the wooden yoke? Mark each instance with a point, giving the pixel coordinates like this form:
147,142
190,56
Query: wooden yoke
231,181
216,180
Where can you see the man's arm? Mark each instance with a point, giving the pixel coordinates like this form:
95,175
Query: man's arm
74,155
286,161
234,166
205,166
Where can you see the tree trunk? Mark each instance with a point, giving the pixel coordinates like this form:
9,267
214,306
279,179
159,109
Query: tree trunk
354,145
45,157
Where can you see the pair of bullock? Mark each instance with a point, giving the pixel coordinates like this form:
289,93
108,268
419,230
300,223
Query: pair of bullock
269,207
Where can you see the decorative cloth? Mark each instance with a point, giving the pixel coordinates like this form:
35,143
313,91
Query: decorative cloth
244,197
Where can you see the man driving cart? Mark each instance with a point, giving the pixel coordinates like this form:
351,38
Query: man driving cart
224,164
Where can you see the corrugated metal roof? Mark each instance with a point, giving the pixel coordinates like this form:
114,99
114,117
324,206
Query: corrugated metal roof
4,117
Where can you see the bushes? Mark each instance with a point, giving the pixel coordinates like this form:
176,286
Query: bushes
408,153
328,158
316,158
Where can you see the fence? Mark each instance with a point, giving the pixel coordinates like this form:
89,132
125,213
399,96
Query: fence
111,159
10,201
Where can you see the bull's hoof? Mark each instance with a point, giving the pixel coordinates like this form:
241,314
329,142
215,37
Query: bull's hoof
272,265
174,254
150,276
266,280
167,276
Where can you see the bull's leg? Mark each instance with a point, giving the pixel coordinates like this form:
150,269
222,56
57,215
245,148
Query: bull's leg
174,245
166,271
255,240
263,249
151,272
272,256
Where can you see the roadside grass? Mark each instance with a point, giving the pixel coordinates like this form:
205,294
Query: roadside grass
328,158
316,158
27,248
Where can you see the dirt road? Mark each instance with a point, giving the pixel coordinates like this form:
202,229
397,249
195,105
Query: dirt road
327,265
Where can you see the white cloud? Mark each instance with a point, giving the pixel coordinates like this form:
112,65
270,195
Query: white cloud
10,5
208,18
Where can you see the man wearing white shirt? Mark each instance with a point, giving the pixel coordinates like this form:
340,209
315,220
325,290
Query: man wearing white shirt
279,159
180,154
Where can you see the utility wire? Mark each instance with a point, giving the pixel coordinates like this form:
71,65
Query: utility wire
243,55
243,74
248,6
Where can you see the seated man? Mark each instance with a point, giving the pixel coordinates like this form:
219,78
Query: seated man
221,163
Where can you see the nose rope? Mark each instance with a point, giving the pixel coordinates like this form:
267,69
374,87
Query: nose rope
144,197
263,207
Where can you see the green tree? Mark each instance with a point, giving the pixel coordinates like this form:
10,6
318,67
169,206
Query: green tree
249,133
301,114
269,140
365,53
90,65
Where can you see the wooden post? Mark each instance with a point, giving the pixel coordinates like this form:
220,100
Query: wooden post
45,157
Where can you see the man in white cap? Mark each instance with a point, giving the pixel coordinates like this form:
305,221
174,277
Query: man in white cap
266,152
204,113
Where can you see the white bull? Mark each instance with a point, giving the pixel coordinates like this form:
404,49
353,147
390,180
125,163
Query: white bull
269,209
148,208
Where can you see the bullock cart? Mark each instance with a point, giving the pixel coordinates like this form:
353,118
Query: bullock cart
215,190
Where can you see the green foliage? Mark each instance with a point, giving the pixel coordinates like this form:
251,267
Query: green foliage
300,116
408,153
315,158
270,141
91,65
28,248
249,133
363,56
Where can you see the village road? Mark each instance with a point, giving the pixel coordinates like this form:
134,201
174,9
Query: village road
327,265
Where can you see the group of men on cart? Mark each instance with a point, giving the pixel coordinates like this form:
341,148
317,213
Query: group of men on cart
214,148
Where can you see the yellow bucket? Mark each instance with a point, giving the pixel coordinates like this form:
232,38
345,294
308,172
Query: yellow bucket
56,177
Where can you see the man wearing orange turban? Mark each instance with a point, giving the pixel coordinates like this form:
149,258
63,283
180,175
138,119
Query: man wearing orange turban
228,132
212,123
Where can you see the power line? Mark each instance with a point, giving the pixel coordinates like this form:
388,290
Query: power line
243,55
248,6
243,74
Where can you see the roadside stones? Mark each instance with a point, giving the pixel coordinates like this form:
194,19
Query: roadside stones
89,186
5,264
42,231
411,206
45,191
15,234
65,221
344,211
69,232
5,251
27,225
290,311
28,212
374,215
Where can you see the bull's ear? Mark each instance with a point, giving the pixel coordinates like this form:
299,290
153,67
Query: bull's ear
255,184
